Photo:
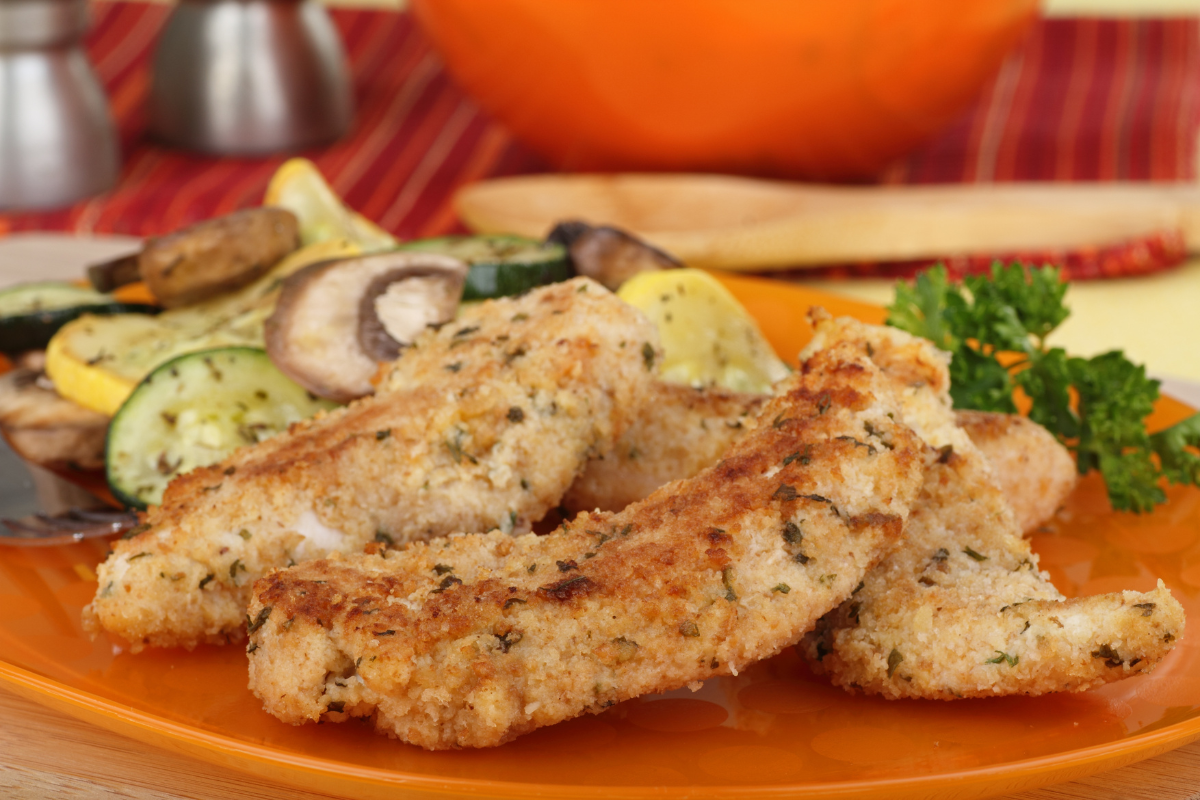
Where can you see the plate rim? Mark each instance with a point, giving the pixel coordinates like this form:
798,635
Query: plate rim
210,746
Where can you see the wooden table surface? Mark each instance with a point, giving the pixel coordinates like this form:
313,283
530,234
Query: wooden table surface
45,754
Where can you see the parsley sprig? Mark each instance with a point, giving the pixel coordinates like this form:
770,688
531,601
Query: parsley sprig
1095,406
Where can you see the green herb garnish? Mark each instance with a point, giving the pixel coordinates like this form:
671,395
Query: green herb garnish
1095,406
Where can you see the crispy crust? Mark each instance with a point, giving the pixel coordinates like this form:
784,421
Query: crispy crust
472,640
679,431
960,610
482,424
1033,471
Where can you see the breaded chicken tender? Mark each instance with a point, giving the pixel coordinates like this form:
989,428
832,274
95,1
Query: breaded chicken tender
678,431
482,424
960,609
1033,471
473,640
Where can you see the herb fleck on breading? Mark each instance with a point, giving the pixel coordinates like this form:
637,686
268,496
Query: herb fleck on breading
135,530
727,580
446,583
568,589
894,659
785,493
977,556
689,628
506,641
626,648
1111,656
1002,657
804,458
254,624
648,356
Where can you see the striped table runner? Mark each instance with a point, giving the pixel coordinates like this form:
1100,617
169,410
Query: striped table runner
1082,99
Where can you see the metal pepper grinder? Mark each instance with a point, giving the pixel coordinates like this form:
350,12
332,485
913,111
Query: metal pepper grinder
57,141
249,77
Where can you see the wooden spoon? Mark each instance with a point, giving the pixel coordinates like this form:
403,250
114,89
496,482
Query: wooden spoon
742,223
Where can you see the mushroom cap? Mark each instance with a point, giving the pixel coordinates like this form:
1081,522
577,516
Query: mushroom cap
335,321
608,255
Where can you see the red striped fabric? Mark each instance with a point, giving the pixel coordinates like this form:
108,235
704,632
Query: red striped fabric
1083,99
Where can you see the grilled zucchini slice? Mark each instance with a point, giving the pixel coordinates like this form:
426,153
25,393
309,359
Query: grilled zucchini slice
193,411
501,266
31,313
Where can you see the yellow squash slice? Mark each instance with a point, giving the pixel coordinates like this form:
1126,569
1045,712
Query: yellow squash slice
708,338
299,187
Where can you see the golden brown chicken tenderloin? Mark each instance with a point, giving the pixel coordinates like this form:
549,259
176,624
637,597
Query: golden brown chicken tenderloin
1033,471
472,640
960,608
482,424
678,432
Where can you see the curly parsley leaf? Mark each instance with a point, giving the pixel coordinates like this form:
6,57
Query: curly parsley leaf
1095,406
1179,465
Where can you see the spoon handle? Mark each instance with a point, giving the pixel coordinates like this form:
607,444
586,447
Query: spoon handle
746,224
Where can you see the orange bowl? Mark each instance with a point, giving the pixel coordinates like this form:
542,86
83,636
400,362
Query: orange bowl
794,88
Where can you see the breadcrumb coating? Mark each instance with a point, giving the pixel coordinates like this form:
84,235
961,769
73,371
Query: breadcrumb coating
678,431
960,609
472,640
482,424
1033,471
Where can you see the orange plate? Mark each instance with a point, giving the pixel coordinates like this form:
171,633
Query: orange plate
773,731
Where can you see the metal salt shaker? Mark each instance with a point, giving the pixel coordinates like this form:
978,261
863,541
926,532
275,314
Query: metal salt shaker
57,141
249,77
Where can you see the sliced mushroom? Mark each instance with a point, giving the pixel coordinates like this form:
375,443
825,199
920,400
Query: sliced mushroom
335,321
114,274
218,255
45,428
608,255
